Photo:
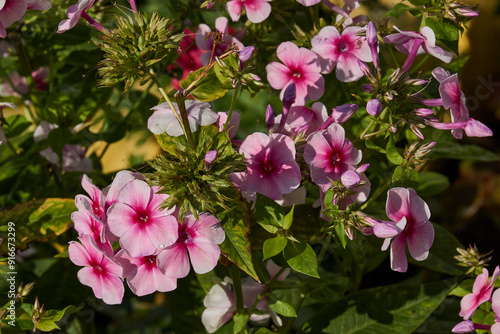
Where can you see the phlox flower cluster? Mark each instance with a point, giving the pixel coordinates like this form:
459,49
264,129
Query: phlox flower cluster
154,247
482,292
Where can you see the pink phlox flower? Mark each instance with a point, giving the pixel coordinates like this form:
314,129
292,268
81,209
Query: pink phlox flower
495,304
221,25
19,85
411,215
465,326
122,178
220,304
234,122
300,66
329,154
142,274
257,10
271,167
74,13
40,78
308,3
13,10
495,328
163,119
200,238
406,40
342,51
96,199
381,228
302,120
481,292
101,273
340,114
137,219
188,60
344,12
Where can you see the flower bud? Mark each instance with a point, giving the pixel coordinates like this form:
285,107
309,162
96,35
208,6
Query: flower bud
269,117
374,107
368,88
210,157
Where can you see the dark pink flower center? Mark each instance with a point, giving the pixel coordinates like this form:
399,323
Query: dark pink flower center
296,74
185,236
267,166
149,261
343,46
336,157
142,217
98,269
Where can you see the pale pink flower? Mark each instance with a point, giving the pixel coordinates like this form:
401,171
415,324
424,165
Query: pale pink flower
308,3
271,167
329,155
343,51
19,85
411,215
413,43
100,273
220,304
74,13
200,238
257,10
302,67
96,200
303,120
142,274
481,292
12,11
137,219
495,304
206,44
164,120
233,125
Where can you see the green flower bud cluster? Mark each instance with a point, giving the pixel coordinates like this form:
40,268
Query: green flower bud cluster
135,45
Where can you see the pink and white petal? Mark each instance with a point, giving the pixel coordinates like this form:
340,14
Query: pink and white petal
480,282
112,290
204,255
174,261
234,8
94,253
142,281
398,254
121,218
87,276
419,209
221,24
136,194
440,74
449,90
398,205
420,240
201,34
385,230
336,135
289,54
209,227
78,254
475,128
163,231
318,151
257,10
278,75
468,306
495,303
136,242
495,328
121,179
164,283
348,69
315,85
254,144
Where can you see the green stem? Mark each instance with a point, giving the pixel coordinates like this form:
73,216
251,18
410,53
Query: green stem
416,67
238,291
324,248
290,321
231,107
394,57
183,111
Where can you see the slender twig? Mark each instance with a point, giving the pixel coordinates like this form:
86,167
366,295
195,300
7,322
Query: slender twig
231,107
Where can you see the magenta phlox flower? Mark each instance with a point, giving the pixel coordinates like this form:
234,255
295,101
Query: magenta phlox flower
300,66
206,44
163,119
302,120
234,122
13,10
413,43
257,10
329,154
220,304
481,292
200,238
74,13
137,219
96,199
340,114
142,274
100,273
271,167
342,51
122,178
411,215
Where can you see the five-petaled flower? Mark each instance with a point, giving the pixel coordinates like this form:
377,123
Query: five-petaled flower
481,292
257,10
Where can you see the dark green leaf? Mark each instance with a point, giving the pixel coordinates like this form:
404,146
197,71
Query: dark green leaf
446,33
432,183
393,309
340,230
419,2
451,150
392,152
288,220
405,177
208,88
274,246
301,257
464,288
398,10
280,307
38,220
372,146
269,214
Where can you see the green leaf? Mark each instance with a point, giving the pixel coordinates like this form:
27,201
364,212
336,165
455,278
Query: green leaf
446,33
464,288
441,255
46,325
240,322
392,152
37,220
274,246
452,150
393,309
209,88
301,257
373,146
340,230
280,307
269,214
432,183
398,10
419,2
236,245
405,177
288,220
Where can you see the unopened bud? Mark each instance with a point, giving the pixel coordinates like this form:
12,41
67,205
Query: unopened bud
416,82
374,107
393,78
424,112
368,88
210,157
24,291
269,117
349,232
424,150
246,53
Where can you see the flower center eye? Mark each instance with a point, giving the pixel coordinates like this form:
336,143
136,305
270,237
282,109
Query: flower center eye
343,47
98,268
335,158
150,259
143,217
296,74
185,236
